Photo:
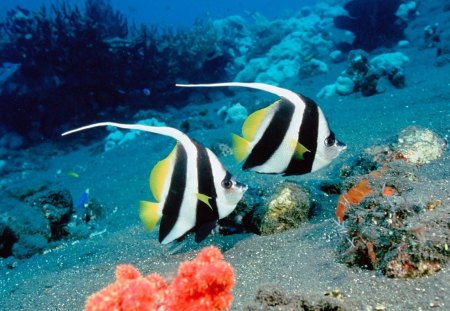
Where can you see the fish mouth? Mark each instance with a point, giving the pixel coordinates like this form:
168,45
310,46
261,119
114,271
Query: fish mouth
341,145
243,187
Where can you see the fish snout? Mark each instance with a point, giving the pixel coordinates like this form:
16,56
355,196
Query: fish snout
341,145
241,186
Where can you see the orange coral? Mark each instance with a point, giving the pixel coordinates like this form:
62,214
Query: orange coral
352,196
201,284
389,191
131,291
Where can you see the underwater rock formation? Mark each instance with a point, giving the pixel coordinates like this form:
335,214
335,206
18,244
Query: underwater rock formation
394,219
364,75
33,220
397,227
288,208
374,23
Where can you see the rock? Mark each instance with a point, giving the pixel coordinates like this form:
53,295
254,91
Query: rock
419,146
19,220
288,208
344,86
396,221
271,297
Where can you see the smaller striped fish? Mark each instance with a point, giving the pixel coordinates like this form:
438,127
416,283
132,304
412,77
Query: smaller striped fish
192,188
289,137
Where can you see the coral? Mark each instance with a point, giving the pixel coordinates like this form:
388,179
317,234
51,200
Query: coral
364,75
78,63
203,284
312,67
374,23
392,223
131,291
235,113
282,47
116,137
288,208
353,196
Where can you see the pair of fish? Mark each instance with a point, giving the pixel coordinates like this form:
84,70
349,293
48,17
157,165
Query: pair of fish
193,189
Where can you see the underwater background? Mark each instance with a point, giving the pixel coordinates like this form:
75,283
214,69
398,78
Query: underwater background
369,231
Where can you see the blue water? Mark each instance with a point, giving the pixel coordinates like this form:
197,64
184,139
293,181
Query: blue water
181,12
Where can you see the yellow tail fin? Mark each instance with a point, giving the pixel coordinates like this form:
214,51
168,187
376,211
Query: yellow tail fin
148,212
241,147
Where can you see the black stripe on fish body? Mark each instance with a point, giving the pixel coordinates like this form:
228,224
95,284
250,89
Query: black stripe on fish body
174,199
204,213
273,135
307,136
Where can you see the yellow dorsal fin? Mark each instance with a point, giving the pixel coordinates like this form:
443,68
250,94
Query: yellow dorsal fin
148,212
253,122
300,150
241,147
159,174
204,198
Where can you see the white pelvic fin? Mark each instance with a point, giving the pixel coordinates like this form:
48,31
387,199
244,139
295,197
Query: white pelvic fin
162,130
285,93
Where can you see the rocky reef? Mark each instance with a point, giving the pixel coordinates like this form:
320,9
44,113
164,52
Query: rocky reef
393,218
36,219
72,64
368,76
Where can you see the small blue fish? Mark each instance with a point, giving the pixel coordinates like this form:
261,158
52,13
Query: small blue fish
82,201
146,91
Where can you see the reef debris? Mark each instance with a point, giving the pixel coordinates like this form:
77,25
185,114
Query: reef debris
270,297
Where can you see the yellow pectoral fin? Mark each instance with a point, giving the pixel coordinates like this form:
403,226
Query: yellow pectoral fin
159,174
300,150
241,147
253,122
204,198
148,212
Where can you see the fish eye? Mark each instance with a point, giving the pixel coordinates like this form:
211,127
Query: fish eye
227,183
330,140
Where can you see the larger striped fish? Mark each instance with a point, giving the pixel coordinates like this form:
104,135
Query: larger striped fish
192,188
290,137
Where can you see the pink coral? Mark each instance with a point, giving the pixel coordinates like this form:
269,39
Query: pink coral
203,284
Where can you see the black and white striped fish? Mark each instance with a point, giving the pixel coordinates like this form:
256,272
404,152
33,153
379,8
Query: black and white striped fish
290,137
192,188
